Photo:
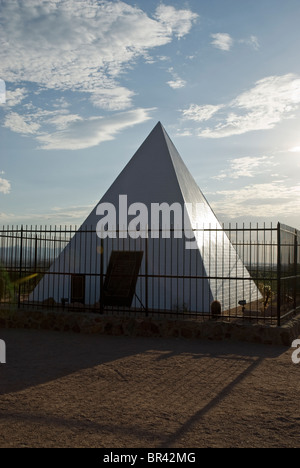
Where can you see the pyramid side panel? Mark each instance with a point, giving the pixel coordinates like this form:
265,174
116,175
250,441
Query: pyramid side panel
219,256
229,279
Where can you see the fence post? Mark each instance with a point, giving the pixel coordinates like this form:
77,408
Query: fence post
295,268
20,267
101,276
278,273
146,275
35,253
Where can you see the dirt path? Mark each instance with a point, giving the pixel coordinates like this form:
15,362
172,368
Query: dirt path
68,390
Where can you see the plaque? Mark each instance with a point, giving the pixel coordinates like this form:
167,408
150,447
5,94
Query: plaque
77,288
121,278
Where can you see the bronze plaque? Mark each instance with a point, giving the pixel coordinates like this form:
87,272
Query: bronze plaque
121,278
78,288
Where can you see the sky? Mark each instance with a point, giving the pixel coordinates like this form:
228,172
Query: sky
83,82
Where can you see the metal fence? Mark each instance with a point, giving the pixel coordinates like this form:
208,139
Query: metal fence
254,272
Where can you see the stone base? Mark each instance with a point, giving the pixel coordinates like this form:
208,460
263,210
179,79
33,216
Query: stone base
189,329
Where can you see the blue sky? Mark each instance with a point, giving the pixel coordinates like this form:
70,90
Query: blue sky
86,81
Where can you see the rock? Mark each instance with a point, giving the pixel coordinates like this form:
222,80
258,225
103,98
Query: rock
76,328
147,328
90,322
187,333
2,323
50,302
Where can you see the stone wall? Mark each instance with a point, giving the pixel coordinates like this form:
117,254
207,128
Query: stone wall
188,329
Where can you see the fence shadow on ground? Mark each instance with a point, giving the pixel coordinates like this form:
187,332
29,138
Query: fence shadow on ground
35,357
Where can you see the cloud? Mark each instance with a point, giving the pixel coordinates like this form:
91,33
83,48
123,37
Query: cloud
252,41
273,199
178,21
23,124
247,167
32,122
114,99
15,97
2,92
72,131
270,101
61,120
83,46
66,216
84,133
284,89
186,132
177,82
5,186
7,218
70,214
295,149
222,41
200,113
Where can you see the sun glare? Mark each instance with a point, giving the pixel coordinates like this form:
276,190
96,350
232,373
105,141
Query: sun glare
295,149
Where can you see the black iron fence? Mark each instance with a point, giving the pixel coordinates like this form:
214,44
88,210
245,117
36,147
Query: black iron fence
253,272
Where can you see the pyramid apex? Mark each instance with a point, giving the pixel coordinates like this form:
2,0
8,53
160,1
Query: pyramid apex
159,126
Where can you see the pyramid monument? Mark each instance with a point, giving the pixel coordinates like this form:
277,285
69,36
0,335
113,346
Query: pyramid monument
177,271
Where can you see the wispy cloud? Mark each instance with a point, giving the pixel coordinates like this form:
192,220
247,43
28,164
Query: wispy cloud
23,124
270,101
177,82
5,186
200,113
225,42
185,132
7,218
222,41
33,119
83,46
84,133
62,120
247,167
66,216
295,149
15,97
59,129
2,92
177,21
252,41
273,199
113,99
71,214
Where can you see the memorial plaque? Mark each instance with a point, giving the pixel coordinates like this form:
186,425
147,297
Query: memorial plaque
121,278
78,288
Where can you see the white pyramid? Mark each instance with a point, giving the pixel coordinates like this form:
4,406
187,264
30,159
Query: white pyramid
177,278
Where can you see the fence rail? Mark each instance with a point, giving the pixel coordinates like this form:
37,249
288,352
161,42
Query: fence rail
254,272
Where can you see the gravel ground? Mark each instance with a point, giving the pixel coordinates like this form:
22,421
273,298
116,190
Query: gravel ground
69,390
